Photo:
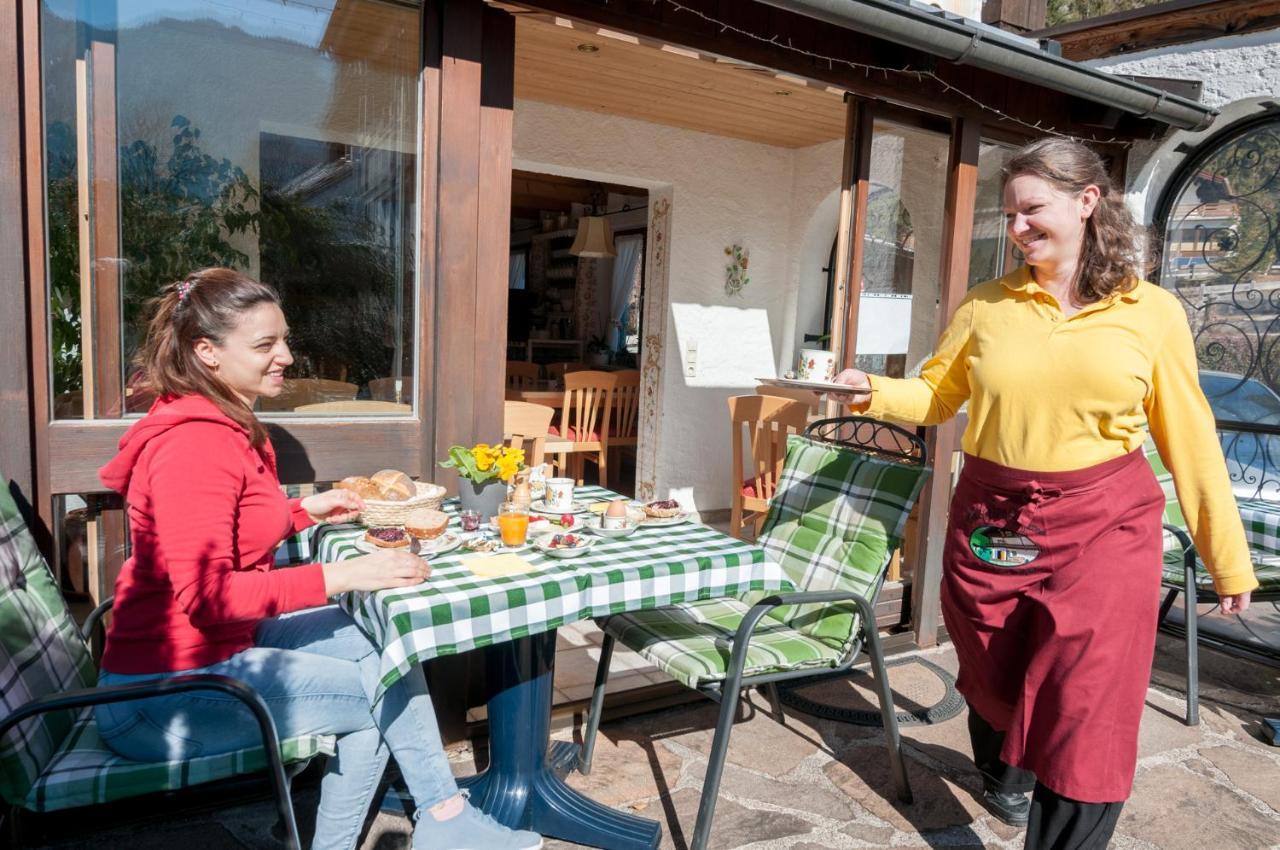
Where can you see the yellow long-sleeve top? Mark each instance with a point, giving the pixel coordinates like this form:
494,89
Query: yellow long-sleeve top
1050,393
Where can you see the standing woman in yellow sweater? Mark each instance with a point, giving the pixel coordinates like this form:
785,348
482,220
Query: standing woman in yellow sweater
1051,572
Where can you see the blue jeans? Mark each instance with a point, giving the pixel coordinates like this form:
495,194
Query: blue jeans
317,673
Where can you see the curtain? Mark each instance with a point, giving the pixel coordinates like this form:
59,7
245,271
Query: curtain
515,271
624,275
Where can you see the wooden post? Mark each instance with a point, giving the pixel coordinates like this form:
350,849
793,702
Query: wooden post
957,240
855,187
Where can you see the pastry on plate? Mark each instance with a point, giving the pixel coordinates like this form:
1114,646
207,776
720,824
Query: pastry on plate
387,537
663,509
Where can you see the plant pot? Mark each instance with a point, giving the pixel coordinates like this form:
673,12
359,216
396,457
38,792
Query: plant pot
485,498
597,358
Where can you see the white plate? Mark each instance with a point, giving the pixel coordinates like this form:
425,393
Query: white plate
446,542
540,507
816,386
659,522
543,544
500,550
369,548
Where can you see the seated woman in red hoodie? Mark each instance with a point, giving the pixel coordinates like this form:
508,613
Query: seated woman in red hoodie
199,594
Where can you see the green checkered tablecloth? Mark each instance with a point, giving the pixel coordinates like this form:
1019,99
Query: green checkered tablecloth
456,610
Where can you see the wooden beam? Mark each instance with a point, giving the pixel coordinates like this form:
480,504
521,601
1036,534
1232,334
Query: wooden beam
17,448
858,187
493,231
107,252
1161,25
957,241
428,280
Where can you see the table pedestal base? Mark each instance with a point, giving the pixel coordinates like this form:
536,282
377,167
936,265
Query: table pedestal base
523,786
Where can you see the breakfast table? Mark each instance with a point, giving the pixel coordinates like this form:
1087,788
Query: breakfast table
517,615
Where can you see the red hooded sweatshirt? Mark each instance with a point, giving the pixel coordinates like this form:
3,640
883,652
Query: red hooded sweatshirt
205,516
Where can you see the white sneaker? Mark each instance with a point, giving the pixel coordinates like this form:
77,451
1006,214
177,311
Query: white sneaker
472,829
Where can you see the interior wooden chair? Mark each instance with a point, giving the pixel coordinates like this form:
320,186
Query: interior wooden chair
807,397
761,424
299,391
526,426
838,514
584,418
358,405
522,375
624,425
384,389
555,372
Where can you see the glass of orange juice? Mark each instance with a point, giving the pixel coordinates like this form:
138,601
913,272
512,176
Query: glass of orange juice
513,523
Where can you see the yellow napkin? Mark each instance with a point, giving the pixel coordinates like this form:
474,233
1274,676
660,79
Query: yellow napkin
496,566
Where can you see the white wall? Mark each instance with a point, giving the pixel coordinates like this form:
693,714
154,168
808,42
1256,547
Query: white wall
723,191
1238,73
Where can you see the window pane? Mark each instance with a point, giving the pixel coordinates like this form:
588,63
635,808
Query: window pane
275,137
990,256
898,310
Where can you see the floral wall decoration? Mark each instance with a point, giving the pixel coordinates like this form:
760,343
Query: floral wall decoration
735,272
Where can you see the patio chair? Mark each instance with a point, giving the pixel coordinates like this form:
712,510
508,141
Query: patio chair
1182,569
384,389
526,426
761,424
300,391
51,758
624,426
807,397
838,513
523,375
584,417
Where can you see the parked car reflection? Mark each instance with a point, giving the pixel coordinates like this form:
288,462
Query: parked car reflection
1253,460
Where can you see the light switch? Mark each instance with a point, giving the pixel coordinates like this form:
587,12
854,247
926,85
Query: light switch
691,359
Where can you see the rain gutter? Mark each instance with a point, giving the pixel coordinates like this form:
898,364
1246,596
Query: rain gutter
965,42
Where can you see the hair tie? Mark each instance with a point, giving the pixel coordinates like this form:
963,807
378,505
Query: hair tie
184,288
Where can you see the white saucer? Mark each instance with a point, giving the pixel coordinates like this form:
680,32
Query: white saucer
540,507
816,386
659,522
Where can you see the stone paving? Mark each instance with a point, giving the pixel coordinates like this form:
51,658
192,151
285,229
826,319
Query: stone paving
819,784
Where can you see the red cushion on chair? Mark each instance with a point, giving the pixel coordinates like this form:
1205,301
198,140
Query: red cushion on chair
572,434
749,490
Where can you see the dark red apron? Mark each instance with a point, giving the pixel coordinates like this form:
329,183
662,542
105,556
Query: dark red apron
1050,592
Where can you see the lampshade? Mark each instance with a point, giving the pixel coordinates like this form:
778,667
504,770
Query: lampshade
594,239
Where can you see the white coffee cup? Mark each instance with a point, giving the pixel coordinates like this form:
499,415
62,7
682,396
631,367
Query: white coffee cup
559,495
816,365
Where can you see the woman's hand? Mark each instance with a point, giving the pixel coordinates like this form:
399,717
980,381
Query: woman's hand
378,571
1237,604
333,506
858,383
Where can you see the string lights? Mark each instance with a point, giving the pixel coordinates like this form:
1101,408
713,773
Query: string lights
920,75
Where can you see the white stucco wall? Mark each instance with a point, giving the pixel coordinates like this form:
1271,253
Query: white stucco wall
1238,73
723,191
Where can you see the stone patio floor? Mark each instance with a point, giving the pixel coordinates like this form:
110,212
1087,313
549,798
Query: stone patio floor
819,784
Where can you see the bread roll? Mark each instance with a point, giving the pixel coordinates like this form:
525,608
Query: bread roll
394,484
361,486
426,524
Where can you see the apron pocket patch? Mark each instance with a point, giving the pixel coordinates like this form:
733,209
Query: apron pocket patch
1002,548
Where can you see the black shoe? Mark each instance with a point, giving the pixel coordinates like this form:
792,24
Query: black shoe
1011,807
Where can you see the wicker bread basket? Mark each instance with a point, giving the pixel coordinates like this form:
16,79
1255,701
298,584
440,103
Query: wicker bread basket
378,512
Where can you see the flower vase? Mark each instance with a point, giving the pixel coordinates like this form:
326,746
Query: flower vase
485,497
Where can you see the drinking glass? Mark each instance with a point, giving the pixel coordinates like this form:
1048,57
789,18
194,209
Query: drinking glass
469,519
513,523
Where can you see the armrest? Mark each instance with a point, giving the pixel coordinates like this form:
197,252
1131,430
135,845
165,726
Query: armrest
1184,539
95,616
85,697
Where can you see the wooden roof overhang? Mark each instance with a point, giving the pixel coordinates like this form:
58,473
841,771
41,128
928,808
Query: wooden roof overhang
1160,25
827,57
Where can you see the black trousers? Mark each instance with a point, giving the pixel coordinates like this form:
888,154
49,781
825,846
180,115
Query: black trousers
1056,823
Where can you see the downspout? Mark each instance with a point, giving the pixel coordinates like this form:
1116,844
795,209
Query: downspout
900,23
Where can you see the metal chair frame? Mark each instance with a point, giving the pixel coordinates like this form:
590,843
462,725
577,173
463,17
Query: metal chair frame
909,448
85,697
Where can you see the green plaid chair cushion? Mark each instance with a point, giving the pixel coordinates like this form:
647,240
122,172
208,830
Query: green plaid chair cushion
692,642
40,653
85,771
834,522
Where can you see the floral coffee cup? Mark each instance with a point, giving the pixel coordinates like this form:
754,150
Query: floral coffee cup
559,495
816,365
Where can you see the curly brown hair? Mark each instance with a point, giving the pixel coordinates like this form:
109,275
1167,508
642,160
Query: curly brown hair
1108,257
207,304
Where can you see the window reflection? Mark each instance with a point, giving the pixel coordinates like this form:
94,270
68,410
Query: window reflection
275,137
